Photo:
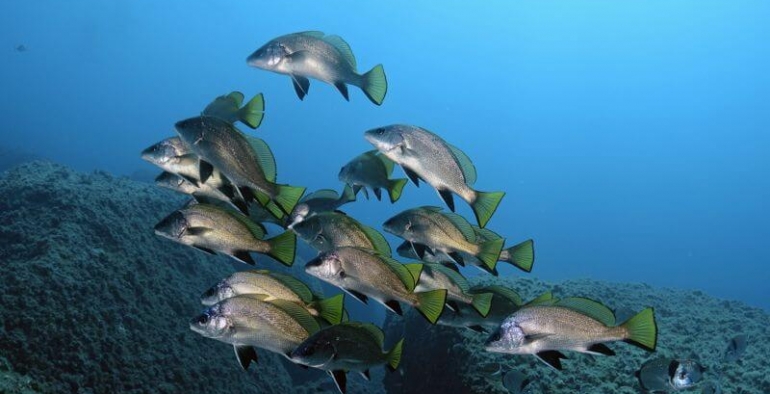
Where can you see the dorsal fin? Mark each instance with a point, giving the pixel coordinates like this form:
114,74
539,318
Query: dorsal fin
465,163
299,314
323,193
294,284
265,157
389,164
254,228
454,276
430,208
343,47
402,272
237,98
378,241
416,270
485,234
502,291
312,33
589,308
462,225
546,298
370,329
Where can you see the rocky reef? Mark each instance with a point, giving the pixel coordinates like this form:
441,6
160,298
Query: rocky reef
691,324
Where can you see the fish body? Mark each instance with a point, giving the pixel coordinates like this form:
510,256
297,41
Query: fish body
424,155
436,276
372,170
326,231
249,321
174,156
220,145
448,233
325,200
364,274
228,108
504,302
275,286
327,58
735,348
214,229
544,330
212,191
663,375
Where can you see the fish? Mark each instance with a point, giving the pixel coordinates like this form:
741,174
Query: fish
576,324
327,58
205,193
521,255
247,162
228,108
437,276
275,286
430,230
504,302
365,274
516,382
213,229
662,375
372,170
735,348
345,347
174,156
328,230
324,200
424,155
248,321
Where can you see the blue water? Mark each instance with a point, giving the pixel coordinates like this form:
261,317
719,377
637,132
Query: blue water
631,137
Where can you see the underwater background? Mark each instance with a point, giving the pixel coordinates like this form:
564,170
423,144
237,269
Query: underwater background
630,137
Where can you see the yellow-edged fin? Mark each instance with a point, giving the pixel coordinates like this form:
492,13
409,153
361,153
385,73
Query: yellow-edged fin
295,285
522,255
312,33
378,241
483,234
323,194
462,225
331,309
237,97
283,247
255,229
642,330
546,298
389,164
416,270
502,291
589,308
465,163
343,47
454,276
400,270
431,304
299,314
265,157
253,112
394,355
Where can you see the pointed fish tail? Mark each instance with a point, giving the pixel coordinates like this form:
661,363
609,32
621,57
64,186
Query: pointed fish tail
485,206
394,355
395,187
489,253
642,330
331,309
431,304
522,255
287,197
375,85
283,247
482,302
252,113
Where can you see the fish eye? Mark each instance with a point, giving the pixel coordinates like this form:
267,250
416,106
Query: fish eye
203,319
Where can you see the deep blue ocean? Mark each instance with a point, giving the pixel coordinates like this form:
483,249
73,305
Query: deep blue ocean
632,138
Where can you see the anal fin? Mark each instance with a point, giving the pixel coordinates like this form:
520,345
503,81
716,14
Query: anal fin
361,297
340,380
412,176
205,169
343,89
446,195
244,256
301,85
552,358
245,355
377,193
394,306
600,348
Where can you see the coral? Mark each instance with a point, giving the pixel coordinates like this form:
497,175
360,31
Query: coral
690,323
94,302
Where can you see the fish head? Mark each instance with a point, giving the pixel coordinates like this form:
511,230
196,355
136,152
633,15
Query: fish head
685,373
172,226
220,291
346,173
406,250
506,338
298,214
191,130
172,181
272,56
212,323
315,352
165,151
389,140
327,266
400,226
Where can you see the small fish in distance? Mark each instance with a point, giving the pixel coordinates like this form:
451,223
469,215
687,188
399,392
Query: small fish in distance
327,58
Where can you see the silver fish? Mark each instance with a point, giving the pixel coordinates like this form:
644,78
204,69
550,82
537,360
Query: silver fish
329,230
504,302
437,276
327,58
372,170
325,200
425,155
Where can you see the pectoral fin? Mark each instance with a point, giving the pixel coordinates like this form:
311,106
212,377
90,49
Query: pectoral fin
446,195
343,89
340,380
412,176
394,306
244,256
301,85
205,169
552,358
